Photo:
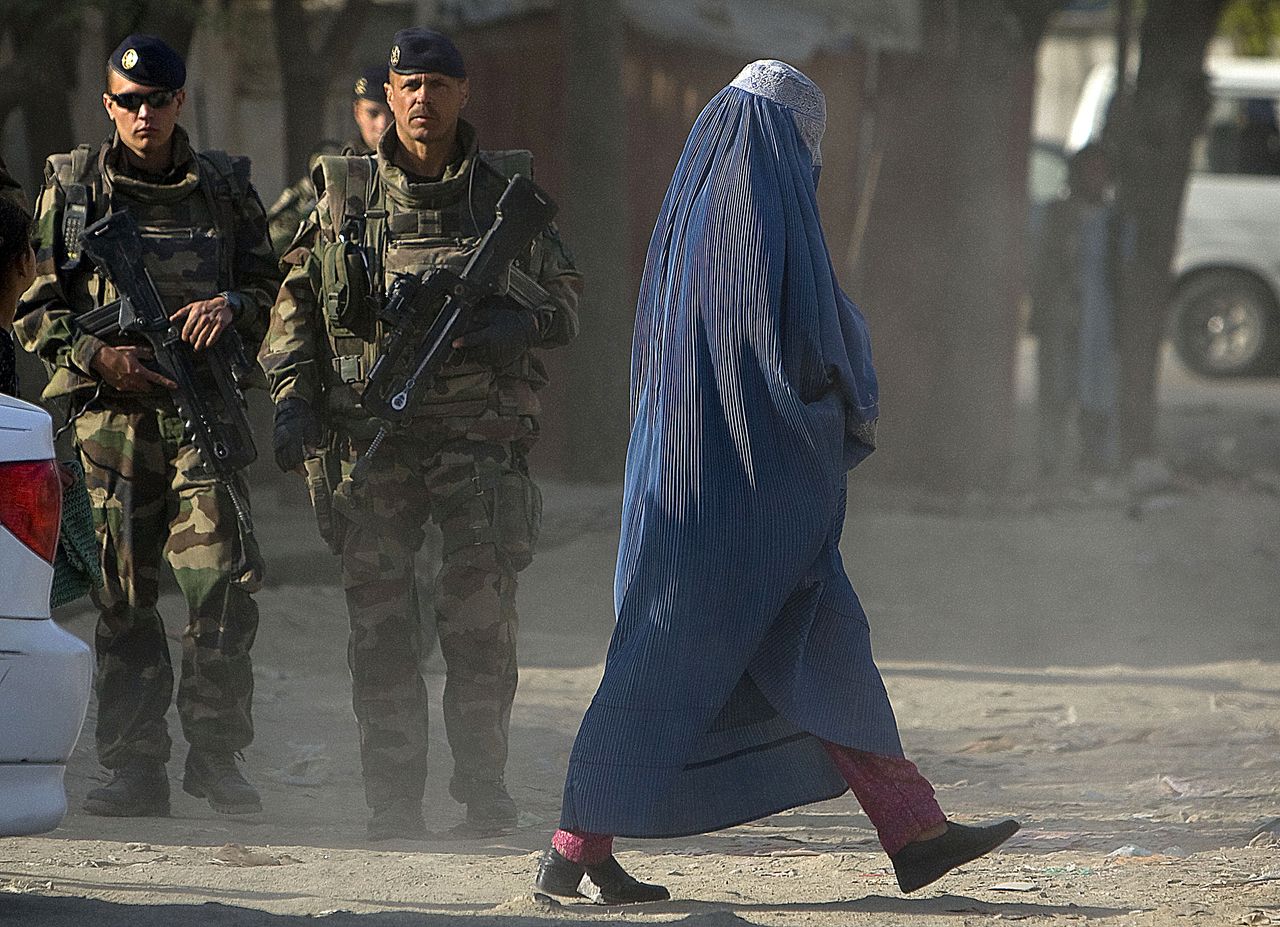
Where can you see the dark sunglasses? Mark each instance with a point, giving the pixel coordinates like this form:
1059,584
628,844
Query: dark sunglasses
156,99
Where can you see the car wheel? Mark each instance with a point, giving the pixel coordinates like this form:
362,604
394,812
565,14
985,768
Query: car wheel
1225,324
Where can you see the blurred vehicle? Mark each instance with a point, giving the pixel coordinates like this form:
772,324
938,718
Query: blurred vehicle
45,673
1225,312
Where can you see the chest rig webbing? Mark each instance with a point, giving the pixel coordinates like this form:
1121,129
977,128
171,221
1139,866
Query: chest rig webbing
189,245
394,238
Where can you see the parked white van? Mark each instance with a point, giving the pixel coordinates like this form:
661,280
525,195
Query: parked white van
1225,314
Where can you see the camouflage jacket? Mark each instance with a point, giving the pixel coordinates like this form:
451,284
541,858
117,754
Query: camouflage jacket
307,355
204,231
297,200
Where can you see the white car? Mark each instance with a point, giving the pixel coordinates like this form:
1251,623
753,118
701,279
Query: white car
1225,313
45,673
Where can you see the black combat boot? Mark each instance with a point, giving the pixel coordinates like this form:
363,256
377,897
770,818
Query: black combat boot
213,774
490,810
137,789
400,819
917,864
560,876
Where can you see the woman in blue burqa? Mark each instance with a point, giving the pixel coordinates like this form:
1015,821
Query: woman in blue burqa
739,681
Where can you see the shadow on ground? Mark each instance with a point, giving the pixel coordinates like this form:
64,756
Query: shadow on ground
49,911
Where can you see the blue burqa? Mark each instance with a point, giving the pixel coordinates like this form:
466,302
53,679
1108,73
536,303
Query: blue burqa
739,640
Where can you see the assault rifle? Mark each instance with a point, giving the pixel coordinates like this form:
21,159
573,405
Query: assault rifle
427,313
208,399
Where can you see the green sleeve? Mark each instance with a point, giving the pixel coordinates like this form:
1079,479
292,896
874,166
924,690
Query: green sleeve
257,272
295,342
553,268
45,311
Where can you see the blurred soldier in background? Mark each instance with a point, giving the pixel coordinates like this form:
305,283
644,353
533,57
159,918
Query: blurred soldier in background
369,109
205,246
423,202
372,116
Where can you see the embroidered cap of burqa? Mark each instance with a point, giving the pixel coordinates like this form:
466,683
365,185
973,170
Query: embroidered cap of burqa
738,635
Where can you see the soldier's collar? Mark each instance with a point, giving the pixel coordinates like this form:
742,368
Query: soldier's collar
177,182
118,160
453,184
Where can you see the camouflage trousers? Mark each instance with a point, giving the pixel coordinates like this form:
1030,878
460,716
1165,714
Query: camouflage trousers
149,507
470,477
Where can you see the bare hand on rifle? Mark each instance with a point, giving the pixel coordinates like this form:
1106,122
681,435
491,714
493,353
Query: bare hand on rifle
123,369
204,320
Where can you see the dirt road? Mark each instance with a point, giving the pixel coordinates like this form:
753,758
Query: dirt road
1104,666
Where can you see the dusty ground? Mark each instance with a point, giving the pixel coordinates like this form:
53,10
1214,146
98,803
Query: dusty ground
1102,664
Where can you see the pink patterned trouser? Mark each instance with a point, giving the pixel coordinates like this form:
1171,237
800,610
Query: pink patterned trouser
898,800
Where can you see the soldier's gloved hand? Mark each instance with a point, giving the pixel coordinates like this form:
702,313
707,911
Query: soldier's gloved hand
297,428
500,335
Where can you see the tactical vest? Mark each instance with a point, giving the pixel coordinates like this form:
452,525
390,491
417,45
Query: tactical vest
188,245
397,238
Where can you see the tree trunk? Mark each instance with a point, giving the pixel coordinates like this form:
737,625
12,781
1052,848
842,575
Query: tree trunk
307,73
943,272
1152,154
36,83
48,120
594,216
171,20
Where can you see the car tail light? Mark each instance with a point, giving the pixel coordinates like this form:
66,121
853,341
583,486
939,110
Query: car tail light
31,504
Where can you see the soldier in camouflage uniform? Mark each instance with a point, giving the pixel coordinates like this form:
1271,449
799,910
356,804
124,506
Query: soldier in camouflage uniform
205,245
423,201
371,115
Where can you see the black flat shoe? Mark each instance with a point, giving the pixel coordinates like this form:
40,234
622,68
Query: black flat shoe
560,876
918,864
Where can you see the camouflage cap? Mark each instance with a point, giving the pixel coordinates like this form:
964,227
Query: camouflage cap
147,60
425,51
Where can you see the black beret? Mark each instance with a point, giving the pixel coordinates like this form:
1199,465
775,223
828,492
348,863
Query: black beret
369,84
425,51
149,61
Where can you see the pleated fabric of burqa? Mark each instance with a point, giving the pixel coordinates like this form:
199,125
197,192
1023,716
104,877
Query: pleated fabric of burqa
739,639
